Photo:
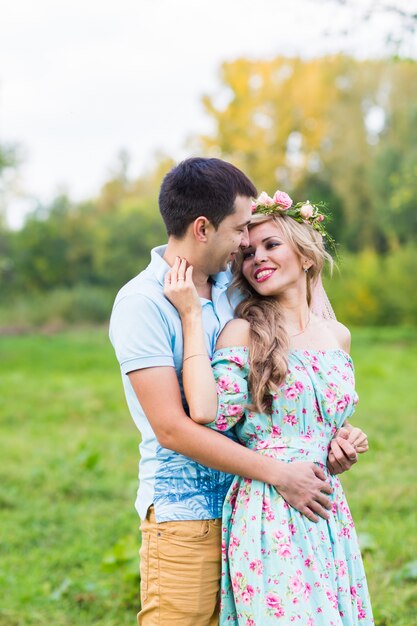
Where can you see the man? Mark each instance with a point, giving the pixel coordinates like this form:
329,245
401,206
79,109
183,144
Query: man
206,207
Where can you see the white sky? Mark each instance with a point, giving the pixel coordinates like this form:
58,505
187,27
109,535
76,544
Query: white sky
82,79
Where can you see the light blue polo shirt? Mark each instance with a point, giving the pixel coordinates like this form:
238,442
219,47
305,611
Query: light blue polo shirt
145,330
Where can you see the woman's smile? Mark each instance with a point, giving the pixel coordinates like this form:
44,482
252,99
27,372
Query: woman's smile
263,273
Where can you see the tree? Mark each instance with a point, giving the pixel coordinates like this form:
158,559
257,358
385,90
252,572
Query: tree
288,122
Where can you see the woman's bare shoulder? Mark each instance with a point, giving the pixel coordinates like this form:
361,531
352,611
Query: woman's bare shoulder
342,334
235,333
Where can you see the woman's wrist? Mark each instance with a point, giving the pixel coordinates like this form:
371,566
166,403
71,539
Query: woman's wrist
191,317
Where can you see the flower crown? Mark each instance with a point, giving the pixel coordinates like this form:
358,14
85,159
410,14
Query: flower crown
302,212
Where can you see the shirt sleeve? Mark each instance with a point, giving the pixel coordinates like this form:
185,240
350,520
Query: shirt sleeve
140,334
230,368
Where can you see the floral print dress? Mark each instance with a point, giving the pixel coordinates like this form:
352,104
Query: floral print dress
278,567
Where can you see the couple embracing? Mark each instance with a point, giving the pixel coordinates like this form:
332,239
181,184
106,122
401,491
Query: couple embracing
241,385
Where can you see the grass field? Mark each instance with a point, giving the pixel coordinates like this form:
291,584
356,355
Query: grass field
68,450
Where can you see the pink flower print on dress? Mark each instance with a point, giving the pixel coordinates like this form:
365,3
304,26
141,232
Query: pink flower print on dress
256,566
332,598
330,394
340,406
295,584
263,444
284,550
221,422
237,359
307,591
235,409
245,597
276,431
236,580
361,612
299,385
290,419
273,601
345,532
233,543
291,393
223,383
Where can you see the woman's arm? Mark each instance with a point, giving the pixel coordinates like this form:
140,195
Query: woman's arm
197,376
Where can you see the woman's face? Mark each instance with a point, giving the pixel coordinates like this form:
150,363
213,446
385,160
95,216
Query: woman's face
270,264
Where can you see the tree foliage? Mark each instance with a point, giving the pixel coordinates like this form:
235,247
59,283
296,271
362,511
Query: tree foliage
334,129
331,125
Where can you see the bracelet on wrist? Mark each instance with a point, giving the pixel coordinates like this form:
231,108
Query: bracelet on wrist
191,356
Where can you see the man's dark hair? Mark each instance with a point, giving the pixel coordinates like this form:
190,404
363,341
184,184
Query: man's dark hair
200,186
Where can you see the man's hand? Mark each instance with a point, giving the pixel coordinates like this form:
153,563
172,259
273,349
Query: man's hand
345,447
303,485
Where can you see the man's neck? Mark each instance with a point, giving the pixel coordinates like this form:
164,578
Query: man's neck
200,277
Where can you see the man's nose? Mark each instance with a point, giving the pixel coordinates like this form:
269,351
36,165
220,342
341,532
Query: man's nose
245,238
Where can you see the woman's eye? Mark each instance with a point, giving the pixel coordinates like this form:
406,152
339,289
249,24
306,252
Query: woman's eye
247,255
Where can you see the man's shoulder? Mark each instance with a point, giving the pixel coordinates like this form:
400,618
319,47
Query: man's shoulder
144,285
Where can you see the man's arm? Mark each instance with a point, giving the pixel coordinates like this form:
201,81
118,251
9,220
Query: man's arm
302,484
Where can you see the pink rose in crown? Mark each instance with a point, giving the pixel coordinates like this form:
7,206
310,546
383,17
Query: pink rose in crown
254,206
320,218
306,211
263,198
283,199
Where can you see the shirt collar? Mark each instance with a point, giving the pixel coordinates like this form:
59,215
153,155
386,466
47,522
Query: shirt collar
221,280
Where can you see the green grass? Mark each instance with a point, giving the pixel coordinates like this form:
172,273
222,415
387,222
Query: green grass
68,450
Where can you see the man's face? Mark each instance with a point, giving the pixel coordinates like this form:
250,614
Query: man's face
230,235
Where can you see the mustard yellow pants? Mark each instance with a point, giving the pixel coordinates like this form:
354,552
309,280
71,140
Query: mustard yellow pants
180,564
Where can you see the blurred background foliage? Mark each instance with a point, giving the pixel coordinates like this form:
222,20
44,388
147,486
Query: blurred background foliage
334,128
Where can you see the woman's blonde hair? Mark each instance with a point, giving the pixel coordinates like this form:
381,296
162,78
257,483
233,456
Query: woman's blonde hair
268,339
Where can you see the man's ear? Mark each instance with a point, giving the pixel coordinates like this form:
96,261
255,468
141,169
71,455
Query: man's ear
200,227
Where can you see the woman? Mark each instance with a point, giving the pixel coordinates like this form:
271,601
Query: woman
285,382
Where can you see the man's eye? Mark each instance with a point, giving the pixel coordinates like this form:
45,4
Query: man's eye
247,255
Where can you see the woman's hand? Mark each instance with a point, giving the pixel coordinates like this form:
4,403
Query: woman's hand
180,289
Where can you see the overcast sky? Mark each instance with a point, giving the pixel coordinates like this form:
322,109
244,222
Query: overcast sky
82,79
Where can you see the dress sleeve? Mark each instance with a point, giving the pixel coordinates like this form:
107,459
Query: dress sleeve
230,369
